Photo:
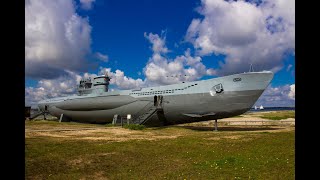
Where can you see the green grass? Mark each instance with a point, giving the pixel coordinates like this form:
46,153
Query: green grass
110,125
278,115
191,156
134,126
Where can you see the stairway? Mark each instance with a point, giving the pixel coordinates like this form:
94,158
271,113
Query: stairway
146,113
38,114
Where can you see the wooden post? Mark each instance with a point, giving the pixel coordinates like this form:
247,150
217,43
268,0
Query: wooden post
216,125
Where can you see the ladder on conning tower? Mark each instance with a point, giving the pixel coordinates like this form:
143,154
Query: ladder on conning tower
146,113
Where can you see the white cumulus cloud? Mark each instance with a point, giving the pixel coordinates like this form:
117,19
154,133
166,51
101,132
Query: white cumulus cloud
280,96
119,79
158,43
163,70
261,34
56,39
50,88
292,93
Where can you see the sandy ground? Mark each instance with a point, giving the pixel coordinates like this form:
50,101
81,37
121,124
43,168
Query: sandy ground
75,131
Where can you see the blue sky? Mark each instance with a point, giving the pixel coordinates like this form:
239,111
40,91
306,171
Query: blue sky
130,34
119,26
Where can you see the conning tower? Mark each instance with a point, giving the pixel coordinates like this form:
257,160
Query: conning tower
101,83
98,85
85,86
